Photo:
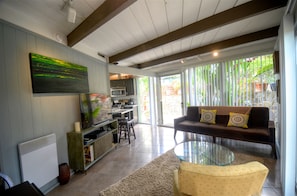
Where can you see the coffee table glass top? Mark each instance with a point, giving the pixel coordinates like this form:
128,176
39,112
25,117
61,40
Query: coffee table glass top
204,153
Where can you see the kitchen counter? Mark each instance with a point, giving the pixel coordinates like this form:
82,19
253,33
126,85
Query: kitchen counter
135,111
122,113
129,106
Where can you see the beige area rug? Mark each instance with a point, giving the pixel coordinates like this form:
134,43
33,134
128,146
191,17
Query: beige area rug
156,178
241,158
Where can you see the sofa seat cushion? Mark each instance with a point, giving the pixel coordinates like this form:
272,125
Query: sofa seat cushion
249,131
189,124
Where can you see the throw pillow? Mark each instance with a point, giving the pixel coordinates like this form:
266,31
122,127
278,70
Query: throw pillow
238,120
208,116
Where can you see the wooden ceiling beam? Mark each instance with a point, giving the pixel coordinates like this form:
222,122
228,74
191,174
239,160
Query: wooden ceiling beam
101,15
229,16
264,34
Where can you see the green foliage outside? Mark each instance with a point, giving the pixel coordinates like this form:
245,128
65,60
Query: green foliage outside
237,78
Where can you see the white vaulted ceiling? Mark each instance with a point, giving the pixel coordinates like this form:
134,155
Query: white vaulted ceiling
140,24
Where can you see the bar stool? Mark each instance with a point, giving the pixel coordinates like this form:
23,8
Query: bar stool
126,127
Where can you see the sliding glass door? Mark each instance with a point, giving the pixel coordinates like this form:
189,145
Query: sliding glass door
171,99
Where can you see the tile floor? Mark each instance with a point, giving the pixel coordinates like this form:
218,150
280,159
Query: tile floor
149,144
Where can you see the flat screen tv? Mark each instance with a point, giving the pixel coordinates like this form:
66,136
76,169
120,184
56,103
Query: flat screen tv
95,109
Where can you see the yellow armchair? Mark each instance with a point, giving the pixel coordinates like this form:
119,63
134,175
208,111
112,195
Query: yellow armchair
209,180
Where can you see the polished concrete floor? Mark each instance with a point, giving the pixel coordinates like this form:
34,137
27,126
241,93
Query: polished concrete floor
150,143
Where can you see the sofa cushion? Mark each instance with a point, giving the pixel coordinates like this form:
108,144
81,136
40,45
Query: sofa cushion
259,117
192,113
225,110
208,116
238,120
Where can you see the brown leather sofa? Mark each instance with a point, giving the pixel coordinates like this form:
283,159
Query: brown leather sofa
260,128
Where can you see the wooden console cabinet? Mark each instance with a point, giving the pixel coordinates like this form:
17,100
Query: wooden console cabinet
90,145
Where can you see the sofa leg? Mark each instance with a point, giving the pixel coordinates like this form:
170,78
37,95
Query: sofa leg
273,151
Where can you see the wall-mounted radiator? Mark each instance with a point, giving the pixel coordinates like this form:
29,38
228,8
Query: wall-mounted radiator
38,160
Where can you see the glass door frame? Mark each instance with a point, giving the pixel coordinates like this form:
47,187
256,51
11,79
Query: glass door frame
159,110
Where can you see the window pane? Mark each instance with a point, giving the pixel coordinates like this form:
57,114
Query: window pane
143,99
237,82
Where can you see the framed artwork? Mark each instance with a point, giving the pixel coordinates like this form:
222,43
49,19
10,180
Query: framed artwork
50,75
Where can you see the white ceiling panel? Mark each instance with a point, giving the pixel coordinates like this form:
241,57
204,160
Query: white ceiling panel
186,43
190,11
90,4
170,48
266,20
144,20
225,5
196,40
138,25
231,30
240,2
174,12
208,37
128,29
208,8
158,15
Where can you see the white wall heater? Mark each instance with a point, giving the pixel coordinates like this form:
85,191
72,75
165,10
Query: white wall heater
39,160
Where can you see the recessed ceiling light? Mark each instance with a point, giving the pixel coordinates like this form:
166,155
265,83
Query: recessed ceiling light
182,61
215,53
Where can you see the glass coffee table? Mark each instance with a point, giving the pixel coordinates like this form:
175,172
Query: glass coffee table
204,153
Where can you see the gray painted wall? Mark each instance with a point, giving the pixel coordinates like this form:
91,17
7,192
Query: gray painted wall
24,115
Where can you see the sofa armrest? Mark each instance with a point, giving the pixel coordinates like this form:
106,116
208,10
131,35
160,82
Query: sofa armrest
271,128
271,124
178,120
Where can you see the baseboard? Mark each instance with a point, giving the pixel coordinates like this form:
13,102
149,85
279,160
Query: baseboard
52,184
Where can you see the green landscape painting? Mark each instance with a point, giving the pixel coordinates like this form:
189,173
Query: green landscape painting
50,75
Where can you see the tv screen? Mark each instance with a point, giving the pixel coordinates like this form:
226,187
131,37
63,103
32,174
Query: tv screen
95,109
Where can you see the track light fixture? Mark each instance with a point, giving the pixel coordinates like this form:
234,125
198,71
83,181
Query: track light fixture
71,15
71,12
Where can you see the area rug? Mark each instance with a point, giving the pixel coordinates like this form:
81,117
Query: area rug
156,178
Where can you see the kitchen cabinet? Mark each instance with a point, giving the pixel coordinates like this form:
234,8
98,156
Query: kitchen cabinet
117,83
128,83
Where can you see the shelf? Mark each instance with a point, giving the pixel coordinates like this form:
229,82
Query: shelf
90,145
